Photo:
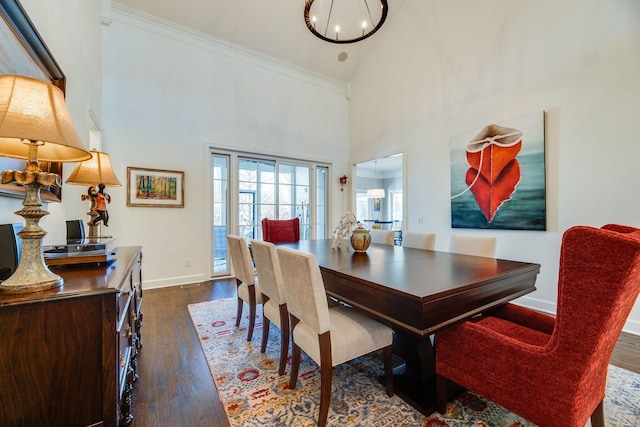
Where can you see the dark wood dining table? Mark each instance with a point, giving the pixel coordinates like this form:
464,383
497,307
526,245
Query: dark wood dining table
418,292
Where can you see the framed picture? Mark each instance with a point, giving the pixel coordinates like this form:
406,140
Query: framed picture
155,188
498,176
22,51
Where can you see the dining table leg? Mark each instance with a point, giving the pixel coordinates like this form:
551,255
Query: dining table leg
416,382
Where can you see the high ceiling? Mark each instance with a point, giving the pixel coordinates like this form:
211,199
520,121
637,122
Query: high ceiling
273,28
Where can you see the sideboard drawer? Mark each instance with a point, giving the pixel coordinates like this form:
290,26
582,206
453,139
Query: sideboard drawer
79,341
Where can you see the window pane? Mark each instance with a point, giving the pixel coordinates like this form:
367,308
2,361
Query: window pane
219,210
362,206
321,203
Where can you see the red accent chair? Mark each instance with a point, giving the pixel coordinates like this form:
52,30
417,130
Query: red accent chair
551,371
281,230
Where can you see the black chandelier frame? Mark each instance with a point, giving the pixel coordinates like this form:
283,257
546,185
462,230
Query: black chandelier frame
307,8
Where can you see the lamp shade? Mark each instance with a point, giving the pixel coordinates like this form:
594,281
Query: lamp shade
375,193
33,112
96,170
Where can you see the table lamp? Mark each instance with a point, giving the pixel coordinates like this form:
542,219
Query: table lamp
34,125
97,173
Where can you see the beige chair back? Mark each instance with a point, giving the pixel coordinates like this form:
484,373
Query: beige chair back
473,245
382,237
265,257
241,259
304,289
412,239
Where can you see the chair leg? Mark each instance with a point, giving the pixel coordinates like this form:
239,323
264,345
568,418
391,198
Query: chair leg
265,333
597,417
265,326
239,311
295,357
252,311
326,372
387,356
284,338
240,303
441,394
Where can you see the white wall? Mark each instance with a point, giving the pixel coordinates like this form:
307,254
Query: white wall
168,95
71,30
445,67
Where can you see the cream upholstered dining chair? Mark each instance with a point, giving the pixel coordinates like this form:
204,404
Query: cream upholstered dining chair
329,336
412,239
383,237
248,289
473,245
274,306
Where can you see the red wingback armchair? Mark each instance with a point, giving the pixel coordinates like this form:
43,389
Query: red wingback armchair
281,230
551,371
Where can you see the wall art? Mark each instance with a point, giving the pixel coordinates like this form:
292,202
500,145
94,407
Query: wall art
498,176
155,188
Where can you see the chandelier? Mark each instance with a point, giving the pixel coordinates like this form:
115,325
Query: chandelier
344,21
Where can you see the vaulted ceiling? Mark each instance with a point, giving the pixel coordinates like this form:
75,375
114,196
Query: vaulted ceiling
273,28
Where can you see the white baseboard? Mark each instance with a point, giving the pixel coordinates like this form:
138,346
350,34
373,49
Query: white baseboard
537,304
631,326
173,281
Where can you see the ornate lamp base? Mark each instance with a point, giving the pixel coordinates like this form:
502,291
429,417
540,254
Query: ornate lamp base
32,274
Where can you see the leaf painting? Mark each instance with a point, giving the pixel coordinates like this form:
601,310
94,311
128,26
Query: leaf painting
497,176
156,187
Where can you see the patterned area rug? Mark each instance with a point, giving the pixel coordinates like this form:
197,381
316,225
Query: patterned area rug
253,393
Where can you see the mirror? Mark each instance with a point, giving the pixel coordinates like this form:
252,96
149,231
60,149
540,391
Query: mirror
373,177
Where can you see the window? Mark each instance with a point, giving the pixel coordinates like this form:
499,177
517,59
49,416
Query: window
362,207
275,188
396,209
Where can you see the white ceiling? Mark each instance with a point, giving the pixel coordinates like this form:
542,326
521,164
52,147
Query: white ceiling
274,28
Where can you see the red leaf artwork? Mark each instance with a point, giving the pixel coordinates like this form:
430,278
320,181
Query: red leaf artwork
494,172
490,197
492,149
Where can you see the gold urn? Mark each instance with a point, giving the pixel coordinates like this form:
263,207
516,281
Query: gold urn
360,239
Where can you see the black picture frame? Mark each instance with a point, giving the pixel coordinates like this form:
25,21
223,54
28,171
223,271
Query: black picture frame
22,51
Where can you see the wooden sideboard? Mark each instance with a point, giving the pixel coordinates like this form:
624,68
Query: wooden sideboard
68,355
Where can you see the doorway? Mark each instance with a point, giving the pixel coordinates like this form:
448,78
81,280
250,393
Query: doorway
379,192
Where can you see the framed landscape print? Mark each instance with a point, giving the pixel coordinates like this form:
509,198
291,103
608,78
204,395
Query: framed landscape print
498,176
155,188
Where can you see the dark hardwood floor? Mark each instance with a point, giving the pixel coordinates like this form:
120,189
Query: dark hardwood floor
175,387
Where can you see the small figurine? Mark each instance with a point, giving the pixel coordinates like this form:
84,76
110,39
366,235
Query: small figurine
100,199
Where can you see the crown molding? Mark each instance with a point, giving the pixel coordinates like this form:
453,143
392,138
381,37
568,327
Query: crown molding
135,18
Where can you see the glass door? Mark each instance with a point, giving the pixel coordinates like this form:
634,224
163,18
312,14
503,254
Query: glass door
220,212
244,190
257,189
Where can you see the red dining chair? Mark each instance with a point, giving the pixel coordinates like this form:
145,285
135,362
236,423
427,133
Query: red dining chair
551,371
281,230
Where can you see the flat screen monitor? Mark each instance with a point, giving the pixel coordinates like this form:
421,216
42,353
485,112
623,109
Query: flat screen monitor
10,249
75,230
